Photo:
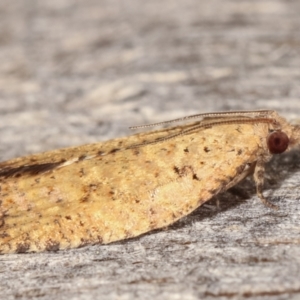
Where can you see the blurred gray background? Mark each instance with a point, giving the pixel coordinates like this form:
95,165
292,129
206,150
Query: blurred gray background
75,72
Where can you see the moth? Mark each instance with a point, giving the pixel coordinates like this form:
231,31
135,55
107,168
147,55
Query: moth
122,188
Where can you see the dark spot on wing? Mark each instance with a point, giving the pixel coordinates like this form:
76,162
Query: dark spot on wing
195,177
185,170
114,150
152,211
84,199
136,152
84,242
176,170
206,149
29,170
22,247
52,245
81,157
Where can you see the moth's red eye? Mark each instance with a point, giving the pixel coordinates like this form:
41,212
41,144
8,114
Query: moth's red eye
277,142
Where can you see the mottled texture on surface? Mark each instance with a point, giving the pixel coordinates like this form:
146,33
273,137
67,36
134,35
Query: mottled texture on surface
76,72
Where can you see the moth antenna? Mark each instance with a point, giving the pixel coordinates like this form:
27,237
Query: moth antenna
208,125
249,114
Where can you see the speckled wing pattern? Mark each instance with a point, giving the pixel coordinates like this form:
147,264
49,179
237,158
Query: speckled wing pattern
109,191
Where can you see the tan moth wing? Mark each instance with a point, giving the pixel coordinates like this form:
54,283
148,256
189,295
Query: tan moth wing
110,191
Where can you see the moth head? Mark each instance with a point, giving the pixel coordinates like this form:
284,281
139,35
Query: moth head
277,142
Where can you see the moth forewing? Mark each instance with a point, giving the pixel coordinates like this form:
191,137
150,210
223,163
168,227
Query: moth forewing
122,188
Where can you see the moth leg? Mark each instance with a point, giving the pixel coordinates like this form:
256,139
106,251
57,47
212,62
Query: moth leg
241,176
246,172
259,172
